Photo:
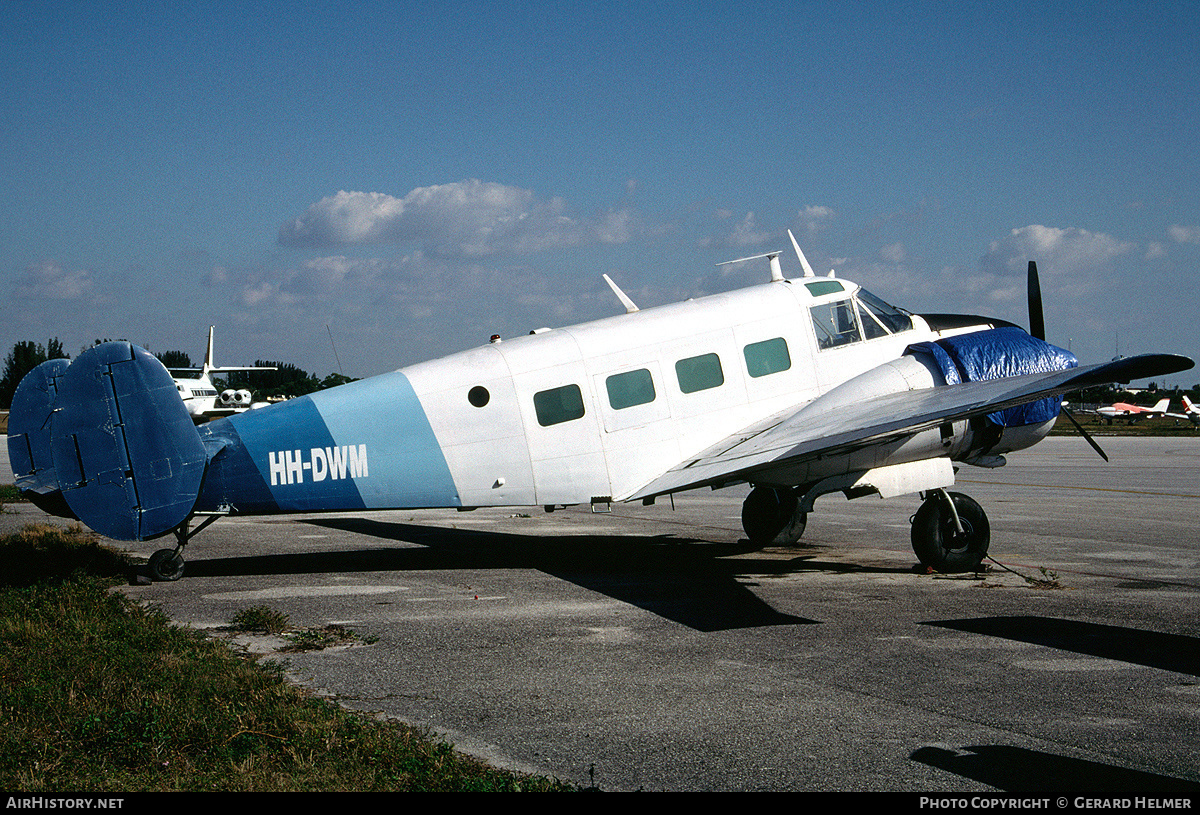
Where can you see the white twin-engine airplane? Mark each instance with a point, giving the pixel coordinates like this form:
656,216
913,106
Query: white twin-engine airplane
799,387
199,394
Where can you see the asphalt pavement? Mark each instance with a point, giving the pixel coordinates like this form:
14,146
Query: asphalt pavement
649,649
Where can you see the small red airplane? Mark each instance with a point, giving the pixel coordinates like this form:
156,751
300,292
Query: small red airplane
1136,411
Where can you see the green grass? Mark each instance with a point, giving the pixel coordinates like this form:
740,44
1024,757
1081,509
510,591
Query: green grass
98,693
1121,427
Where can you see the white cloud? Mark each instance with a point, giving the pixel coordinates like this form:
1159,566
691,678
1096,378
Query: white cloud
1061,251
48,280
615,227
1185,234
468,219
746,233
812,218
893,253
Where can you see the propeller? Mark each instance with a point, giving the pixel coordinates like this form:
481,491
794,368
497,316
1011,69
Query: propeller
1037,328
1084,433
1037,322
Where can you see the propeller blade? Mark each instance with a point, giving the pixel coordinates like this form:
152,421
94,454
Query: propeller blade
1085,434
1037,323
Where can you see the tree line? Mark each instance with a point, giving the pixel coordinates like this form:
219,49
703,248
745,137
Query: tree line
287,381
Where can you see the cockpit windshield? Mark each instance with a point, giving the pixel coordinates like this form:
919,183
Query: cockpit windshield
861,317
890,317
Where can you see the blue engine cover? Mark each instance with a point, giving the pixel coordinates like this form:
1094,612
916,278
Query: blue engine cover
995,354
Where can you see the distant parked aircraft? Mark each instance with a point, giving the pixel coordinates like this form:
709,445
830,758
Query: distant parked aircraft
1191,412
1134,412
199,394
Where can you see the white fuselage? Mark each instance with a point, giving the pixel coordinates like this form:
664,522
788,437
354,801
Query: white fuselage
652,387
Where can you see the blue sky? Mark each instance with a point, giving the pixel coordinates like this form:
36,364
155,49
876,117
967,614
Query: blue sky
410,178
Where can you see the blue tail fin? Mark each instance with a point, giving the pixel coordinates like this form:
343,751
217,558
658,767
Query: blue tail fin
29,438
109,434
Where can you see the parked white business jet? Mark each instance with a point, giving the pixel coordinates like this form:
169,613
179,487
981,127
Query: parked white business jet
199,394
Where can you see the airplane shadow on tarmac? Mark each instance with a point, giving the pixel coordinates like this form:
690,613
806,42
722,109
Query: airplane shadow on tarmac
1169,652
687,581
1016,769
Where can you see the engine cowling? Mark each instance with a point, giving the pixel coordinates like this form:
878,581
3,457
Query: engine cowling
979,356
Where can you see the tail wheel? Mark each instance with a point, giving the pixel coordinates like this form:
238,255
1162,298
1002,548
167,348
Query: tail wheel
166,565
772,517
936,538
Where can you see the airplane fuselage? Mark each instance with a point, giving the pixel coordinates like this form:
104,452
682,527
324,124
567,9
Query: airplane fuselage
588,413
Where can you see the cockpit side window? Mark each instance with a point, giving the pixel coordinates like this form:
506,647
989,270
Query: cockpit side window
872,328
835,324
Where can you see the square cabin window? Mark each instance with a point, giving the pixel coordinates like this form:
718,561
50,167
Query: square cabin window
767,357
699,373
630,388
558,405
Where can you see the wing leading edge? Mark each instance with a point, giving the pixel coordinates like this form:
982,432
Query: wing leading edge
816,430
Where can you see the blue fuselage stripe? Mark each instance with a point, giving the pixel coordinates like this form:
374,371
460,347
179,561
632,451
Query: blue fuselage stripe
364,445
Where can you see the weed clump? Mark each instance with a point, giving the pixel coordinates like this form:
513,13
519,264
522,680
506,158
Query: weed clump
260,619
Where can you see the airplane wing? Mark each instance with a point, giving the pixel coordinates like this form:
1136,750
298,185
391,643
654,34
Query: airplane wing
797,435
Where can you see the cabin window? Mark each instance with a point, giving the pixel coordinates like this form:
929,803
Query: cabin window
478,396
767,357
630,388
699,373
835,324
558,405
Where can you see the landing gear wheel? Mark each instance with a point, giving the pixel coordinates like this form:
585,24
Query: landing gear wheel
166,565
936,539
772,517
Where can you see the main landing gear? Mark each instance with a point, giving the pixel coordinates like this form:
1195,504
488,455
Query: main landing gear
950,531
772,516
166,565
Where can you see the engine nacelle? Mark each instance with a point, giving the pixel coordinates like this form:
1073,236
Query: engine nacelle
235,398
981,356
908,373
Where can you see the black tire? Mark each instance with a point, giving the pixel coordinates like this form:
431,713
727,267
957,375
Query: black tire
770,517
166,566
939,545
